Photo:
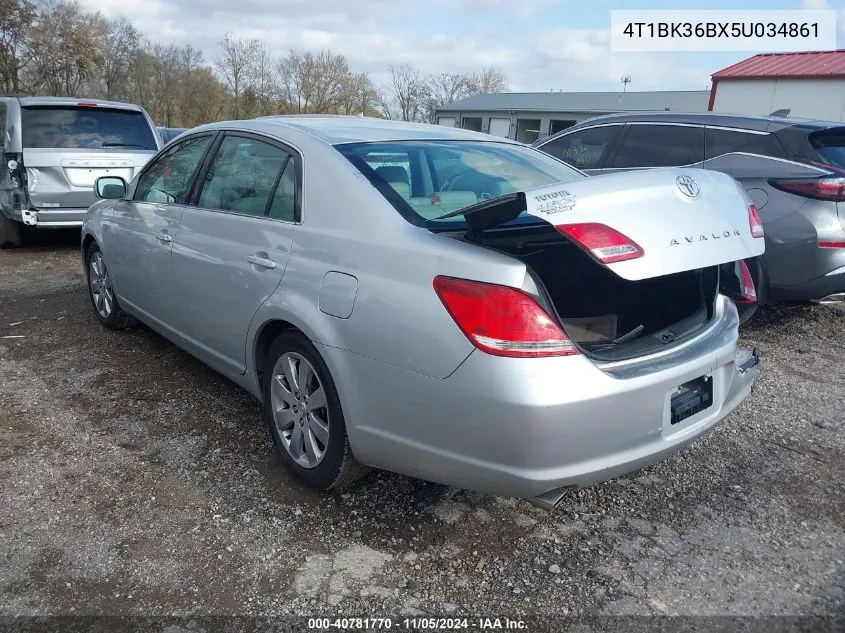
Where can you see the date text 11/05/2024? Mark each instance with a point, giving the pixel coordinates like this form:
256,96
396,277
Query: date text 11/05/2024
417,624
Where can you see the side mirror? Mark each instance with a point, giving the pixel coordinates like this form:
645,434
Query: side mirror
110,187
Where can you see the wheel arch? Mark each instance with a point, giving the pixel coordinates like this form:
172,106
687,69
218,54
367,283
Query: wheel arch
266,333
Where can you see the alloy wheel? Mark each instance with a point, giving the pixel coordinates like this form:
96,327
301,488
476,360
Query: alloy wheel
300,410
101,288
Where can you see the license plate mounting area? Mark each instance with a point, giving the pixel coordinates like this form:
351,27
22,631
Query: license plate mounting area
690,398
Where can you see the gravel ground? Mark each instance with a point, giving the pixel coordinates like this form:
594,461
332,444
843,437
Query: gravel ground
136,481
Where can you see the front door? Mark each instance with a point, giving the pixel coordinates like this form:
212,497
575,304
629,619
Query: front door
232,247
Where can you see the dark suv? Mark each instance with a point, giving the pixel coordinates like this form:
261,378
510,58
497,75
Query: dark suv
793,170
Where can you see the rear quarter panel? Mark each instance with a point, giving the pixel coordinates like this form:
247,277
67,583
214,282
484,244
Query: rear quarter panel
397,319
794,225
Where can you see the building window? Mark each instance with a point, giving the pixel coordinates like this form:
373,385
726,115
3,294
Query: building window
527,130
556,125
471,123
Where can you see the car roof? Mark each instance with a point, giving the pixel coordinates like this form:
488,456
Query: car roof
745,121
339,129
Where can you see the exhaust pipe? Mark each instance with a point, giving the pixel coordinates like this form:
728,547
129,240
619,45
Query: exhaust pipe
550,500
836,297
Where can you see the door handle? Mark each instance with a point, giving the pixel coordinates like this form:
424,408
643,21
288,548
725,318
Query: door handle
164,237
263,262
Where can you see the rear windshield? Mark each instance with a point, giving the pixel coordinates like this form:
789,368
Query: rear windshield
85,128
830,146
425,180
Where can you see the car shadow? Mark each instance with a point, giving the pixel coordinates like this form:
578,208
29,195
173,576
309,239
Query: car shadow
49,240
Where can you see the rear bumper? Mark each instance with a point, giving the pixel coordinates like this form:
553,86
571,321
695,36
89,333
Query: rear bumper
531,427
51,218
817,290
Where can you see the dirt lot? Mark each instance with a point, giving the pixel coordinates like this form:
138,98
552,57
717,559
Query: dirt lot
136,481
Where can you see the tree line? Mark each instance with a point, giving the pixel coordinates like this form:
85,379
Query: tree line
57,48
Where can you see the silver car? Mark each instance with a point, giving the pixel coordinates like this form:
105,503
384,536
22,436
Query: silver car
55,148
436,302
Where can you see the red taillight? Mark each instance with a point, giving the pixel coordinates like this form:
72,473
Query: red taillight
605,244
755,222
86,104
749,292
501,320
824,188
831,244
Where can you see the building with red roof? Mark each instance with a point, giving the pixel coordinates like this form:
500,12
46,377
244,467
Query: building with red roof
808,85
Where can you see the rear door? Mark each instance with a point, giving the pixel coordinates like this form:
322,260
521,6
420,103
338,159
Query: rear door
233,245
647,145
67,147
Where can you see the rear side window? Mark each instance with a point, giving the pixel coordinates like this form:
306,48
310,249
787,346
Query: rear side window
660,146
719,141
830,146
584,149
85,128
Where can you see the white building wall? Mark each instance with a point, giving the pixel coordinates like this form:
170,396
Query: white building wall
806,98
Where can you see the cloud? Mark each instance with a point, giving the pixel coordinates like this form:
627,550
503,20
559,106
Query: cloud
436,36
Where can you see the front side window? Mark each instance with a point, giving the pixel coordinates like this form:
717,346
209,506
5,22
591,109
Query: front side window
584,149
660,146
242,176
168,177
85,127
444,177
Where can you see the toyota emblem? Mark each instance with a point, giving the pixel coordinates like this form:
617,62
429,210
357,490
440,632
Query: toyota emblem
688,186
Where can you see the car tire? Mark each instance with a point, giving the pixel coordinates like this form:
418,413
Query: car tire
10,233
100,291
746,311
299,405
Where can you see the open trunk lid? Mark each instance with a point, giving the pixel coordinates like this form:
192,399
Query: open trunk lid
679,219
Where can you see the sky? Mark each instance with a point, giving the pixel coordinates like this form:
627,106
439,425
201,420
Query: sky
542,45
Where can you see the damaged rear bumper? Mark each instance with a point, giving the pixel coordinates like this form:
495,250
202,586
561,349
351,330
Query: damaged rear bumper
52,219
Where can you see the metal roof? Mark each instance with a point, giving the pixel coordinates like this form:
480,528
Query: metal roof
818,64
683,100
337,129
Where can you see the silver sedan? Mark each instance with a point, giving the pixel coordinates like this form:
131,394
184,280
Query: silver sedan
436,302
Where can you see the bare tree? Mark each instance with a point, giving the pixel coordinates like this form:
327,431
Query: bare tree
264,83
17,20
488,80
359,95
314,83
406,94
121,43
237,65
69,48
446,88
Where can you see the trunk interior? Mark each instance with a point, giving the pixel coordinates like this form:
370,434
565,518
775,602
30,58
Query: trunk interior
608,317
